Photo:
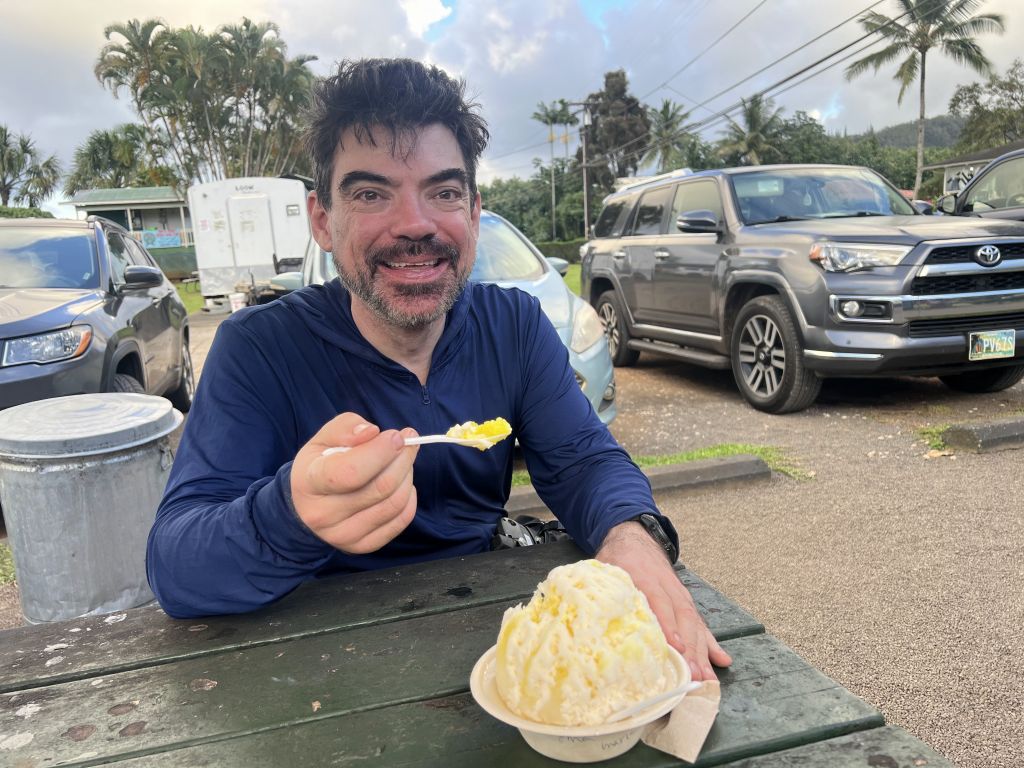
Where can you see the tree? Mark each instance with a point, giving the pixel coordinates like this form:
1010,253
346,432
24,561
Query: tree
802,139
994,111
757,140
228,103
25,176
618,133
668,139
128,155
948,25
549,115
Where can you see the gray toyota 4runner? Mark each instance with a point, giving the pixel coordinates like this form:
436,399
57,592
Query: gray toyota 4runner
788,274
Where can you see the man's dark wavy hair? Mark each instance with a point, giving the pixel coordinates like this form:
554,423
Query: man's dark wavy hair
398,95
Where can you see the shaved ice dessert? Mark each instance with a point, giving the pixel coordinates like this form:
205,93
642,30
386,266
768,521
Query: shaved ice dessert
586,646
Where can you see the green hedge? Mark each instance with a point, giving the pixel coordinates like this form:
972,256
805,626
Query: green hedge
563,249
7,212
177,263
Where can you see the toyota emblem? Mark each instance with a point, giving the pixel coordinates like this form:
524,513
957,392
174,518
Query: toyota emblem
988,256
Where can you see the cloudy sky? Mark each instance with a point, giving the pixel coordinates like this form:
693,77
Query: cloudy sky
512,55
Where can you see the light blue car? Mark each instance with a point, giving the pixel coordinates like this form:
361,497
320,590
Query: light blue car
506,257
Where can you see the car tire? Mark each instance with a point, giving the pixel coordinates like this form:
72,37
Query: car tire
767,358
181,396
125,383
991,380
614,321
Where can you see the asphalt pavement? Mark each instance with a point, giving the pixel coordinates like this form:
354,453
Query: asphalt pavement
894,567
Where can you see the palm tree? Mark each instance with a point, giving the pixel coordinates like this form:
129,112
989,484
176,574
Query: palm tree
121,157
668,138
24,176
549,115
135,59
41,182
948,25
754,141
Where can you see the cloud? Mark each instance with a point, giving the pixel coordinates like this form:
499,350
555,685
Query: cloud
513,55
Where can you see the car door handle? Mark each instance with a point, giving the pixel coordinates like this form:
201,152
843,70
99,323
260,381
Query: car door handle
618,255
661,254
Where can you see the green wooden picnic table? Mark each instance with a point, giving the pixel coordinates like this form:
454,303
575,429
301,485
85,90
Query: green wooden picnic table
374,669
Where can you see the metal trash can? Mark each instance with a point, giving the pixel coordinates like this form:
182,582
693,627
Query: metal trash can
80,480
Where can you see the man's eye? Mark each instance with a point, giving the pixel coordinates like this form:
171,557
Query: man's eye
367,195
450,194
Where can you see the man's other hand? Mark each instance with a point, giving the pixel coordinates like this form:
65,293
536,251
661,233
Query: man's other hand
358,500
630,547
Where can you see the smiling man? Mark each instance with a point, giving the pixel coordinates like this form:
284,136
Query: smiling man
401,344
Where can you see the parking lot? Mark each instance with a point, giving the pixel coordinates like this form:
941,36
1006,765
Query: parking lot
894,568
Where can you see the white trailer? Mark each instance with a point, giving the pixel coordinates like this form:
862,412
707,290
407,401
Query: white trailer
246,228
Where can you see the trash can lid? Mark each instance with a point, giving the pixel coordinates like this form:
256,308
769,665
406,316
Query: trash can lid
81,425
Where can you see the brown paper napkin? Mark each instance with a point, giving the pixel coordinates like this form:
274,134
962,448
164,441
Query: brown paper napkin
682,731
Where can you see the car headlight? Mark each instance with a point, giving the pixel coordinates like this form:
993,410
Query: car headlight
586,328
849,257
48,347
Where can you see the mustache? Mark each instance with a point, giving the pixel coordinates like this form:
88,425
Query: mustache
414,248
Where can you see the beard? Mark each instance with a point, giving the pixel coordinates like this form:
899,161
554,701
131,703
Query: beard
444,291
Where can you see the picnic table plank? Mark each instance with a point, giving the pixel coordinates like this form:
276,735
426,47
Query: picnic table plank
98,645
325,695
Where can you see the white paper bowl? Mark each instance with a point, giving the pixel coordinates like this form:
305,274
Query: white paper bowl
572,743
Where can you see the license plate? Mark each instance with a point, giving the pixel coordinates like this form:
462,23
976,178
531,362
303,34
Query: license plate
988,345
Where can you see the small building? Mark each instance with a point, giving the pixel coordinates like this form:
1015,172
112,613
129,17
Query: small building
957,171
157,216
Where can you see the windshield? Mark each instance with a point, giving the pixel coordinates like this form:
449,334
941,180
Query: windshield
46,257
502,254
792,194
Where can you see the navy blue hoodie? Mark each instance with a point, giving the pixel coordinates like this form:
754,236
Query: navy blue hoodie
226,538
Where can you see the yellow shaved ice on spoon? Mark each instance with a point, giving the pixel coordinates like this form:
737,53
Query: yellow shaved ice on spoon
488,433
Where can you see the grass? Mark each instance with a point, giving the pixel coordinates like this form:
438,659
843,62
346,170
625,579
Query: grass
572,278
6,564
773,457
932,436
191,296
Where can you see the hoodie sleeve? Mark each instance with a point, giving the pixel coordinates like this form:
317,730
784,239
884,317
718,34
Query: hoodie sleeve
226,538
577,468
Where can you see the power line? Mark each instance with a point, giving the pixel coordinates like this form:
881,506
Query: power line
717,40
717,117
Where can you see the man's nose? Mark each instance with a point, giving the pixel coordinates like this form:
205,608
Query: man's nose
413,219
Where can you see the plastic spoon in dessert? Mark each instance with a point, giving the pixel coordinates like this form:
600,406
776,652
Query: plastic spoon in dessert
640,706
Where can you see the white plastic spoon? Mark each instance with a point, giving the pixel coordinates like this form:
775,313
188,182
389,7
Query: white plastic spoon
632,709
480,443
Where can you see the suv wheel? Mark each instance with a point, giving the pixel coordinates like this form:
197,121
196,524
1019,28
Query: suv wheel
992,380
767,358
181,397
125,383
614,322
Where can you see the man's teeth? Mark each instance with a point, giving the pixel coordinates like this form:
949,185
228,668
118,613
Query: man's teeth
403,265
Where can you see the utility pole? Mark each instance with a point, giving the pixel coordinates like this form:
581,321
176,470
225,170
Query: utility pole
584,125
551,140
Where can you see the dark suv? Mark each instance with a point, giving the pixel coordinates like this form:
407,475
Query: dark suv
787,274
996,191
84,308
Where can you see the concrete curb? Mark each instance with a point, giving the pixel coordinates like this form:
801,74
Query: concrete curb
740,468
982,438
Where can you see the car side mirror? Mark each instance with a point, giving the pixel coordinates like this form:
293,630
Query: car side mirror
138,276
697,221
947,203
561,265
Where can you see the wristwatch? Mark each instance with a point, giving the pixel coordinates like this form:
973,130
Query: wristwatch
652,524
